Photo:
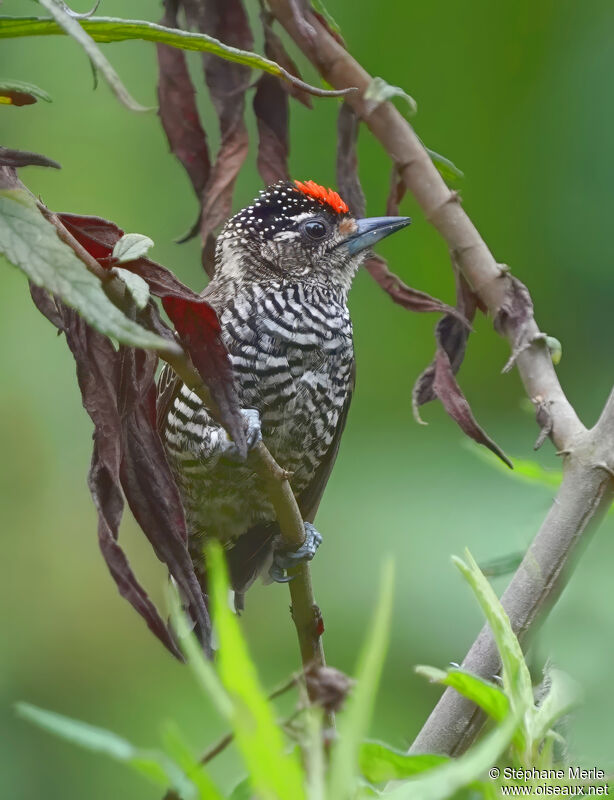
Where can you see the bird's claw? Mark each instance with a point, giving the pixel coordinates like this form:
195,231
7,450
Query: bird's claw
253,435
286,559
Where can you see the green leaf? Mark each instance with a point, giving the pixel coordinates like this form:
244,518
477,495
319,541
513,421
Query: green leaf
441,783
378,91
138,288
555,348
380,763
516,677
194,770
132,246
156,766
203,670
524,469
448,171
31,243
18,93
274,773
74,28
484,693
354,721
563,696
110,29
319,6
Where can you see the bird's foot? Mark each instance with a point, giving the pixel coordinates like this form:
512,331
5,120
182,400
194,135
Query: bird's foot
284,559
253,435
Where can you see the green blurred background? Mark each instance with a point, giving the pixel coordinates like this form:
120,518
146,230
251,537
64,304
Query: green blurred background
518,95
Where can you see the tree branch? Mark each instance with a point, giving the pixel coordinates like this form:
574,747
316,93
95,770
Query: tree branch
305,612
587,489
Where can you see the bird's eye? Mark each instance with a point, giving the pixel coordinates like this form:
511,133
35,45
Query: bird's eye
315,229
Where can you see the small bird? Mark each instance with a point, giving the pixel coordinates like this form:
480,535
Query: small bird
283,269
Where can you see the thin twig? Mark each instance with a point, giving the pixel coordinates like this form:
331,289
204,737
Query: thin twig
587,489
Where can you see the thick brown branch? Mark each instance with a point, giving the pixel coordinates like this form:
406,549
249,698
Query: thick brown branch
587,489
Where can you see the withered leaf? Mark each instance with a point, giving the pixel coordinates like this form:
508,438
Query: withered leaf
271,109
99,369
177,108
327,686
348,181
513,315
411,299
195,320
448,391
23,158
275,50
227,82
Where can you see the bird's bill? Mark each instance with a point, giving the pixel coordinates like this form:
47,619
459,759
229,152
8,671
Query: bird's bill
371,230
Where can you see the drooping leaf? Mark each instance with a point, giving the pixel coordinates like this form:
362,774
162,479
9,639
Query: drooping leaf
31,243
99,369
194,318
73,27
406,296
321,9
347,161
271,110
273,772
131,247
483,693
516,676
276,51
351,191
380,763
109,29
448,391
23,158
442,782
354,722
19,93
227,82
152,763
378,91
179,113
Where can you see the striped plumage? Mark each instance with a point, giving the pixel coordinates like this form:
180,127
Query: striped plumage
280,289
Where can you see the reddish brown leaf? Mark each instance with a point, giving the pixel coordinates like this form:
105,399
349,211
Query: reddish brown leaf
271,109
177,108
348,181
512,317
225,20
23,158
199,329
275,50
195,320
327,686
448,391
411,299
99,370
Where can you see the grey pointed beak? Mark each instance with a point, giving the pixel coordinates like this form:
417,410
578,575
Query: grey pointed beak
371,229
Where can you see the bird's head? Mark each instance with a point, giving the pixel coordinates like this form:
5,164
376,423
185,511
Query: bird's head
298,231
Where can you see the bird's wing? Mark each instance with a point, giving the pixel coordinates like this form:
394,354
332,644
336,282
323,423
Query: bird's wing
309,499
169,384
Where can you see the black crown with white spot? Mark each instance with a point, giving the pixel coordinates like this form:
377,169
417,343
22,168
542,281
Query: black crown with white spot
282,207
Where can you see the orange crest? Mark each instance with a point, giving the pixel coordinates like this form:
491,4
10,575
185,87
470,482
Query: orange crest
326,196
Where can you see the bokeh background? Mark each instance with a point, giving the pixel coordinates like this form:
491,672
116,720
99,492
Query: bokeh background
518,96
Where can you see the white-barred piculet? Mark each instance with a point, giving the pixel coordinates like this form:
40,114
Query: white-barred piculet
283,270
